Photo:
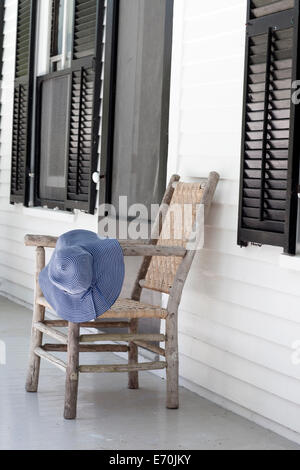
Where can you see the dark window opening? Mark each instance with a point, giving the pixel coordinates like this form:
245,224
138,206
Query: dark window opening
56,27
53,142
139,139
61,34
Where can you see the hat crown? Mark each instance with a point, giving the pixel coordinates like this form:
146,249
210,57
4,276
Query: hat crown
71,270
84,277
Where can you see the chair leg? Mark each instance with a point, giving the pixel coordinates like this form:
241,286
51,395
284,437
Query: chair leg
172,361
72,375
133,377
33,372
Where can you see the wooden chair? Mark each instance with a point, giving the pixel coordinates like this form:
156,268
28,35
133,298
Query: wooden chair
165,267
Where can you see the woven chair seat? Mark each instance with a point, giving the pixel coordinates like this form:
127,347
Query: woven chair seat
125,308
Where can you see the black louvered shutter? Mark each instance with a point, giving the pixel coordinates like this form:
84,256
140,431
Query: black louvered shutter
270,145
23,98
85,104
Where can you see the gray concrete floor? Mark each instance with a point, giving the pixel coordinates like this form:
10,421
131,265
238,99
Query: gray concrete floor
109,415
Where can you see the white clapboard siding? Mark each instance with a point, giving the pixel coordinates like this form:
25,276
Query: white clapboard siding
247,396
224,241
273,278
236,365
240,314
249,347
193,72
249,321
279,304
19,293
16,261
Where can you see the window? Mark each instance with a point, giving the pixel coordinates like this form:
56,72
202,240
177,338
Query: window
67,116
61,34
270,144
62,95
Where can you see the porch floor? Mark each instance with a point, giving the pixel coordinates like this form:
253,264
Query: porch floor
109,415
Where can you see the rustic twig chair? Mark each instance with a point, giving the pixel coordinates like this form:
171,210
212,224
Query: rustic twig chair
165,267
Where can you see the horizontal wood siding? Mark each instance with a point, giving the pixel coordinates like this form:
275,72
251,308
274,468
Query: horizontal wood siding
240,314
16,261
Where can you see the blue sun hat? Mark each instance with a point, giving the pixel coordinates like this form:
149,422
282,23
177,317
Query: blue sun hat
84,276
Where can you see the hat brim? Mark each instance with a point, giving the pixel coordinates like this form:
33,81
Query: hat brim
108,278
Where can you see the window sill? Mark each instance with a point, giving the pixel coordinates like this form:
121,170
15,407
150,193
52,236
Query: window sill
49,214
290,262
43,213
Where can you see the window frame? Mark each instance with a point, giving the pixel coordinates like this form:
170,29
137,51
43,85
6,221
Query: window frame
94,59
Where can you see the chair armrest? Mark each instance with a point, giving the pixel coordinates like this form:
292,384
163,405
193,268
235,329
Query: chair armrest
40,240
50,242
130,248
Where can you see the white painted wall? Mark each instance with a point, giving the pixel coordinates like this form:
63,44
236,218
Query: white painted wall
240,312
16,261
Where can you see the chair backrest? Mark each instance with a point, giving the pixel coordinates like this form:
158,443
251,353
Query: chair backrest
177,227
173,225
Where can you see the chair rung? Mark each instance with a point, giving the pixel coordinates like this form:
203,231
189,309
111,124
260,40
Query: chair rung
122,337
88,347
91,324
150,347
56,323
105,324
50,358
61,337
123,367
